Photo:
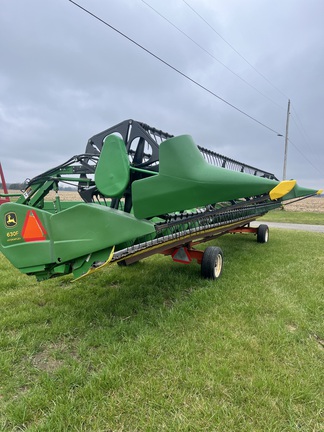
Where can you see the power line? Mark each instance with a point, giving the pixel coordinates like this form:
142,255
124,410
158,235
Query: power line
174,68
305,157
259,73
289,140
235,50
210,54
301,128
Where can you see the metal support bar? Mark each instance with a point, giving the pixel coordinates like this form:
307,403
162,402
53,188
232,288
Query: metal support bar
184,254
244,230
4,197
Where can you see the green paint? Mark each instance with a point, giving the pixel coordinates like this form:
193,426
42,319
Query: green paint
85,228
112,171
298,192
71,233
186,180
71,237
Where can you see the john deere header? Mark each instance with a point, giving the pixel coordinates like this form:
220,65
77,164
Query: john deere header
142,191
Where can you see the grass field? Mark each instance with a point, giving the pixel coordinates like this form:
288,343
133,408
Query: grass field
153,347
295,217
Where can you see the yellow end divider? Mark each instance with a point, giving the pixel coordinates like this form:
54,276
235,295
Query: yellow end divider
282,189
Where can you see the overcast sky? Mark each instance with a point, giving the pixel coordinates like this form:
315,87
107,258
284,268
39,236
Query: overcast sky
65,76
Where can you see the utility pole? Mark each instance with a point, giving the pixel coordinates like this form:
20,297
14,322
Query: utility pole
286,142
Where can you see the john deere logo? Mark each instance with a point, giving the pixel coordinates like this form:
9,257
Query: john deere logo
11,219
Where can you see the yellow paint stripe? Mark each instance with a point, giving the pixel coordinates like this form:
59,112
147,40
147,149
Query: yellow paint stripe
92,270
187,237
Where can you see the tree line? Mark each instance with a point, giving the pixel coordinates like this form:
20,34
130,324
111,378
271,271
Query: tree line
22,186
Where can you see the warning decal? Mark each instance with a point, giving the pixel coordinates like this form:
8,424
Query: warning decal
33,229
181,255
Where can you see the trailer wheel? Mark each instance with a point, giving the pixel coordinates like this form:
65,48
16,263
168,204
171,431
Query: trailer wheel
263,234
212,263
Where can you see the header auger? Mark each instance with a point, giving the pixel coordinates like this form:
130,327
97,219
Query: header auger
142,191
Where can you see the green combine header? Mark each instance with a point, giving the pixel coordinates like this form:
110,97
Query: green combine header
142,191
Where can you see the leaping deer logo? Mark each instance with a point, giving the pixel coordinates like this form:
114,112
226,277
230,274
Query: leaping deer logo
11,219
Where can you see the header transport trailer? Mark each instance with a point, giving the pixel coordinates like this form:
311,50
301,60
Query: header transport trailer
142,191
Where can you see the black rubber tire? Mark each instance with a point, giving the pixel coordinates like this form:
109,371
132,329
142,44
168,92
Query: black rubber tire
123,263
212,263
263,234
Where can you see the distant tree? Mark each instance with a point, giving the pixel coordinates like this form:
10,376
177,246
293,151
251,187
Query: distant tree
68,188
15,186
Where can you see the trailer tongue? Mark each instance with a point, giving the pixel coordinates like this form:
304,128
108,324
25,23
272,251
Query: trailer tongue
142,191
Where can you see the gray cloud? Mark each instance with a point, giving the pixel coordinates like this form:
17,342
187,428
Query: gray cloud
65,76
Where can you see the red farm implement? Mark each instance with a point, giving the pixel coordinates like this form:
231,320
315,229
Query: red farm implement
4,198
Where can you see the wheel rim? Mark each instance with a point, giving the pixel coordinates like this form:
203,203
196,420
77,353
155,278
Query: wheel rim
218,265
266,236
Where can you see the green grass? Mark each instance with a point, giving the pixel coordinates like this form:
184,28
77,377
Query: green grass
153,347
294,217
